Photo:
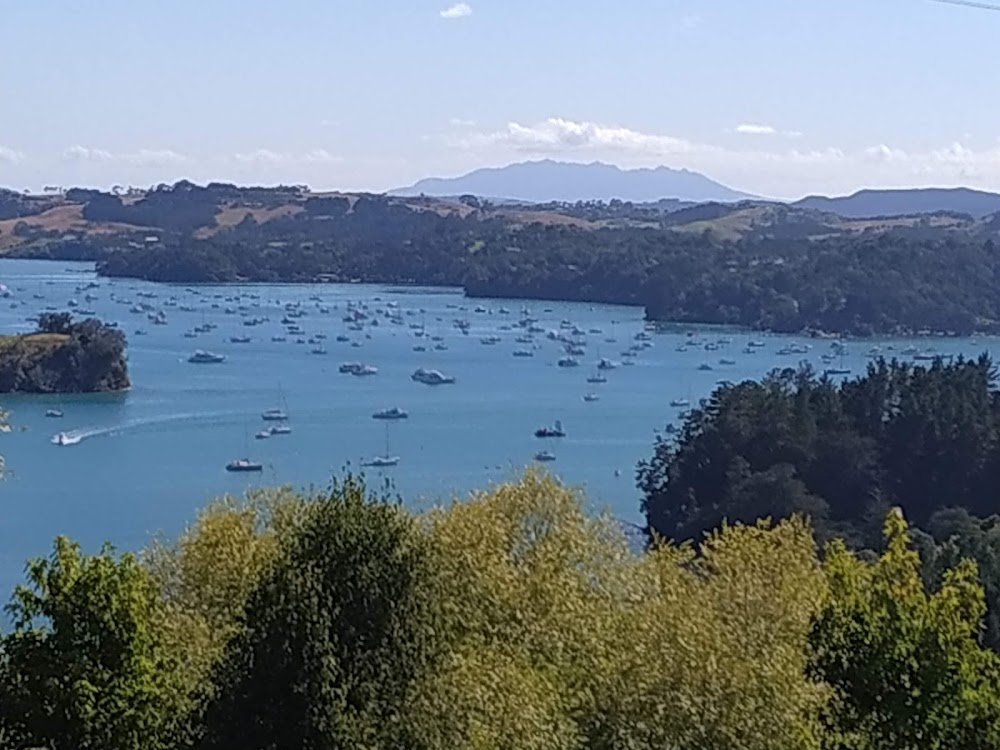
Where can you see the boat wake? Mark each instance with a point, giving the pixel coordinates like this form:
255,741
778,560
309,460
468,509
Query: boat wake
73,437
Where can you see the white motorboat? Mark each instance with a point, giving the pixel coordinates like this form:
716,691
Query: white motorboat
201,357
431,377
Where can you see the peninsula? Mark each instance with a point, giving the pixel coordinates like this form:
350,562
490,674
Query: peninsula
63,356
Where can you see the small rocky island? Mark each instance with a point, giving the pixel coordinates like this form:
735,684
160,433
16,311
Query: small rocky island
64,356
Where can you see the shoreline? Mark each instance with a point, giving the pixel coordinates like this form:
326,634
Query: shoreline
815,334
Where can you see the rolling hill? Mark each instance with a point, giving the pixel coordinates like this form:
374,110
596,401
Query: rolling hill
873,203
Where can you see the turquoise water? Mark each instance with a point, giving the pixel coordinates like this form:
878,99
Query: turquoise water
148,459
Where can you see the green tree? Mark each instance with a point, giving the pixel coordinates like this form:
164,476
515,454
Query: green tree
714,655
906,665
83,667
205,577
567,638
953,534
839,453
529,584
333,636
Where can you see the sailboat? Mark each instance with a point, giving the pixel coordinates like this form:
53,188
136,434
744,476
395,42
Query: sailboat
840,370
602,364
383,461
277,414
242,465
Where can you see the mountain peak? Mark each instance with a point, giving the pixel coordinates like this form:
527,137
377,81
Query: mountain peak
546,180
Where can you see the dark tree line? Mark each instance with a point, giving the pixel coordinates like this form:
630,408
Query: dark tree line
15,205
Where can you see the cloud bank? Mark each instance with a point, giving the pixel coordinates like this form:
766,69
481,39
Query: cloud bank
267,157
764,169
142,158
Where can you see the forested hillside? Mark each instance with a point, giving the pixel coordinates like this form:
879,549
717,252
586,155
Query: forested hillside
764,266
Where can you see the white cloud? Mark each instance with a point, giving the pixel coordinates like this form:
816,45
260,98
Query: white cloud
458,10
558,134
155,157
144,157
321,156
690,23
749,128
458,122
754,128
11,156
884,153
261,156
83,153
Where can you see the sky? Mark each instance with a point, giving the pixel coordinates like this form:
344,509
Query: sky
780,98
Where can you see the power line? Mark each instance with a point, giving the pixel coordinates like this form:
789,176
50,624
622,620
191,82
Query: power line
970,4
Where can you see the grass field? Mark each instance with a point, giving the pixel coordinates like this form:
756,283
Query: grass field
32,342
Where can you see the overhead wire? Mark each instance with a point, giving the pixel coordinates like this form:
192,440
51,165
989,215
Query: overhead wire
969,4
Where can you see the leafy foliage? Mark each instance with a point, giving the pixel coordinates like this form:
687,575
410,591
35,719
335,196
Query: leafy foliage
568,639
84,666
953,535
906,665
714,656
205,578
529,585
516,619
333,636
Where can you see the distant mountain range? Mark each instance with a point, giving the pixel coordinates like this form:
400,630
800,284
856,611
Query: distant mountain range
547,180
870,203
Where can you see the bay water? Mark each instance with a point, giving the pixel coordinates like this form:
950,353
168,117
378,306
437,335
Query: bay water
145,461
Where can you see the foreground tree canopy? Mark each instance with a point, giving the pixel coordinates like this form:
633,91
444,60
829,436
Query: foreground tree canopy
513,619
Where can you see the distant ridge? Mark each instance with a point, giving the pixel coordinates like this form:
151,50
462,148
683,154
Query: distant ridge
871,203
547,180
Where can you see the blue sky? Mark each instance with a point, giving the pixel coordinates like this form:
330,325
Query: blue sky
775,97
